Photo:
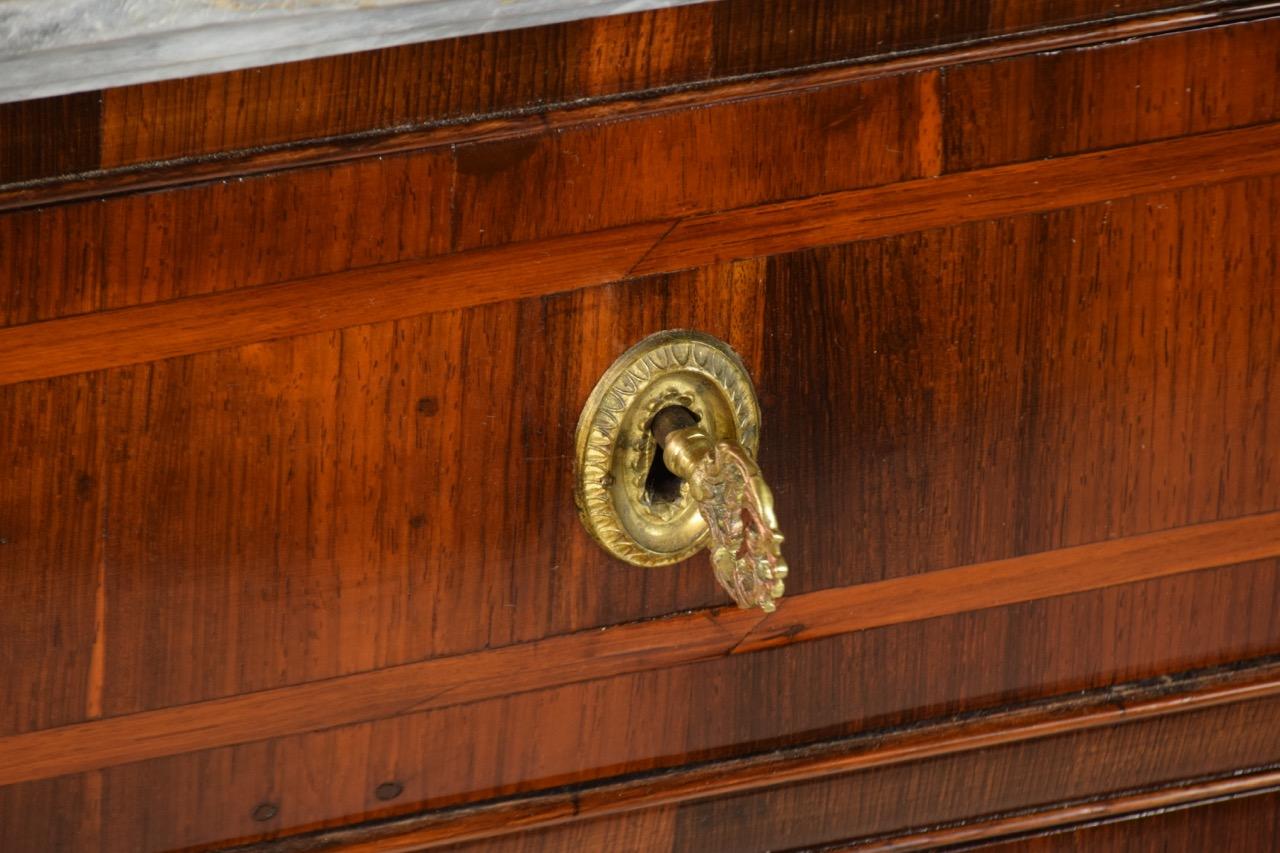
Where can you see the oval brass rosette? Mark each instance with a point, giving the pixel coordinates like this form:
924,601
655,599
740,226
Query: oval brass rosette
617,454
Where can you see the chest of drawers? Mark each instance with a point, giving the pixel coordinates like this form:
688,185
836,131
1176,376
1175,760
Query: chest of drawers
293,357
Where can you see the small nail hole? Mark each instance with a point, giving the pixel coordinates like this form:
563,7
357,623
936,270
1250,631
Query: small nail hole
265,811
388,790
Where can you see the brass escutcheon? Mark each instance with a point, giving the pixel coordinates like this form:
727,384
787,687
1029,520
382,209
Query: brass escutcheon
653,509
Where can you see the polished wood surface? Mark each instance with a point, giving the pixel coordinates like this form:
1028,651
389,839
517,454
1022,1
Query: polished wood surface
967,197
50,514
168,616
1071,767
273,493
652,802
844,791
1249,824
355,297
287,540
520,123
641,722
664,162
639,647
517,70
1082,816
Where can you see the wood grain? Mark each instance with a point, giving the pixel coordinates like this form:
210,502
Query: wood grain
51,583
715,709
127,336
284,519
525,70
53,814
990,585
388,207
214,456
448,681
481,128
965,197
189,241
1202,797
337,503
618,809
670,165
1012,110
331,302
262,504
420,193
1019,776
1249,824
704,711
223,236
51,136
652,829
1074,446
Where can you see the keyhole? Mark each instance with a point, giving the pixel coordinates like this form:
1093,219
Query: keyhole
661,485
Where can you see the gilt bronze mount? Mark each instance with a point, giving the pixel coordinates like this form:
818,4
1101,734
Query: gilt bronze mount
666,464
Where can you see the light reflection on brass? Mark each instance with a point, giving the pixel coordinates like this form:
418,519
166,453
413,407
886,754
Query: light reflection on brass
737,504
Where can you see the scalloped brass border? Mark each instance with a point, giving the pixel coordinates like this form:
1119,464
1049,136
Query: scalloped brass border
614,447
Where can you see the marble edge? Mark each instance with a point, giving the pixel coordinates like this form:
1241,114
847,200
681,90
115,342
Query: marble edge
61,69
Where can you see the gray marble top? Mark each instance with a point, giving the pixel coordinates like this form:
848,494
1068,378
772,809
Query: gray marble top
51,47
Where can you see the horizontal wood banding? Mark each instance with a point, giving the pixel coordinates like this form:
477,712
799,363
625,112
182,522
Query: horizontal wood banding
200,324
1190,795
635,647
146,174
1244,822
1198,744
542,740
547,182
683,788
966,197
684,46
191,618
221,471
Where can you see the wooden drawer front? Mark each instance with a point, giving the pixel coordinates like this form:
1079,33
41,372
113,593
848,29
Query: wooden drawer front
348,501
